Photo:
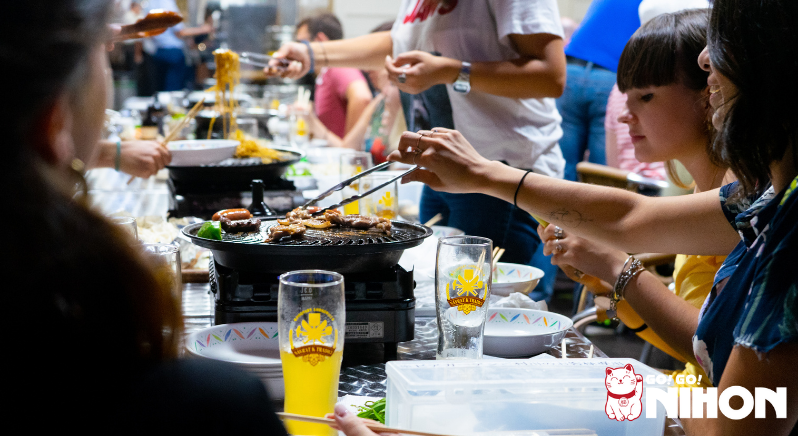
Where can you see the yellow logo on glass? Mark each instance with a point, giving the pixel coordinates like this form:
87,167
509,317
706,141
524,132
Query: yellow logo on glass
467,285
316,333
386,199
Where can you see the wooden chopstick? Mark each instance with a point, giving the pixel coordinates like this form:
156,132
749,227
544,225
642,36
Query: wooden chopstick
433,220
497,256
379,428
180,125
376,427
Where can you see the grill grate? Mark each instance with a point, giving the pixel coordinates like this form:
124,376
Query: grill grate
331,237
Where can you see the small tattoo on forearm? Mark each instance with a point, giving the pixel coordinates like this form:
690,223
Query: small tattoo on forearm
569,218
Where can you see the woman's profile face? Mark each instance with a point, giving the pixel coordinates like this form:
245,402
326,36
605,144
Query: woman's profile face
721,90
665,122
88,107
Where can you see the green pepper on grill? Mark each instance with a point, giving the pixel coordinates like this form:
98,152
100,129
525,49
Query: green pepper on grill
211,230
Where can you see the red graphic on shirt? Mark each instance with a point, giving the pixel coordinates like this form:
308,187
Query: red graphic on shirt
624,393
425,8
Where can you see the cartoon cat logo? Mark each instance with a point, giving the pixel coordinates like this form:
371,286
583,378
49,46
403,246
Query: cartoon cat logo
624,393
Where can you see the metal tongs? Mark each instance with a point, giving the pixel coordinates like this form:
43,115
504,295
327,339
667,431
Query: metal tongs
348,182
260,60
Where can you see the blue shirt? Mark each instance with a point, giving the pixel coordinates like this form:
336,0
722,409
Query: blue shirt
604,31
753,302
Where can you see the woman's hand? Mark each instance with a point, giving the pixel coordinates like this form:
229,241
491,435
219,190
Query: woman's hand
297,53
143,158
449,161
350,424
421,70
586,256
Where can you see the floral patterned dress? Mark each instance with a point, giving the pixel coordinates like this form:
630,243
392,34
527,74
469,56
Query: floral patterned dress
753,300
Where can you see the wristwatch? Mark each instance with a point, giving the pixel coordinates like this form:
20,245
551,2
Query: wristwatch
463,82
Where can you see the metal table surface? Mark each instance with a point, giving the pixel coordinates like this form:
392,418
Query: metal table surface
371,380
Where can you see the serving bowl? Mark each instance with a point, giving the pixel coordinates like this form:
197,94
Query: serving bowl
514,332
195,152
513,277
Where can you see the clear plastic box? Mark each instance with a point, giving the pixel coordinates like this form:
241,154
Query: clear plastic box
485,396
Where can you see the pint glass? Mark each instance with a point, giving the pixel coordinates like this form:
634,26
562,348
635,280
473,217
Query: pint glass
462,290
311,323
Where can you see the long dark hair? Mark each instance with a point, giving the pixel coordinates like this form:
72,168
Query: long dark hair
90,309
664,51
752,43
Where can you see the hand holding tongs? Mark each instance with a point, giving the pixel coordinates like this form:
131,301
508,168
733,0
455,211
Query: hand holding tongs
260,60
349,181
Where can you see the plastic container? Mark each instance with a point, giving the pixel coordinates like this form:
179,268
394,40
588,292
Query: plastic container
471,396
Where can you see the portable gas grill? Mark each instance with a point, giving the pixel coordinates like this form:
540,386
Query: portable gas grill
380,304
201,191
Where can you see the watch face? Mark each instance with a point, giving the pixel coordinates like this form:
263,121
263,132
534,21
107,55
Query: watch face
461,87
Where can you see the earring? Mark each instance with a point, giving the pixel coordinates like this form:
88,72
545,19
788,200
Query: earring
77,168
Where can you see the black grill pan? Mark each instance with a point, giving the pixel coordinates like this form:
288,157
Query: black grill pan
235,170
337,249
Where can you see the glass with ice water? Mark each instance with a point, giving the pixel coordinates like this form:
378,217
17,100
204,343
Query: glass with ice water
462,290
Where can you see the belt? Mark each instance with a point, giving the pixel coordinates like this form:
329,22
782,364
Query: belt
583,63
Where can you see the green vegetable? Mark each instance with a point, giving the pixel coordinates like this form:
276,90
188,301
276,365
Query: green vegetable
374,410
211,230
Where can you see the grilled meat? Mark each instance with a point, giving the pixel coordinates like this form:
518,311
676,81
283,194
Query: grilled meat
235,226
360,222
279,232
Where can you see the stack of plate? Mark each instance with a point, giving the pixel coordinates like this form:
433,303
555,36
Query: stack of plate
252,346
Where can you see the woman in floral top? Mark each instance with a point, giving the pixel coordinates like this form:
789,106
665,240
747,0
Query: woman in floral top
746,335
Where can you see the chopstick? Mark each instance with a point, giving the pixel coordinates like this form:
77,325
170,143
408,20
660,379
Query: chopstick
433,220
497,254
376,427
180,125
379,428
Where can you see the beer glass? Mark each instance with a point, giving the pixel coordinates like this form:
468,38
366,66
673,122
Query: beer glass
383,203
311,324
126,223
166,258
353,163
462,290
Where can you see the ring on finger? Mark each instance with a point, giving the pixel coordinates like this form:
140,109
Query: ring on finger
418,149
558,232
559,248
403,76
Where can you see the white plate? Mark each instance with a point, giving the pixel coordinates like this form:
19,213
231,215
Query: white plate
248,344
514,332
513,277
195,152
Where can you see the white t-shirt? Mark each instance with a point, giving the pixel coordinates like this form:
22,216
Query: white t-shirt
522,132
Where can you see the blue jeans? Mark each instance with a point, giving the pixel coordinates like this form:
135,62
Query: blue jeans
171,71
583,105
507,226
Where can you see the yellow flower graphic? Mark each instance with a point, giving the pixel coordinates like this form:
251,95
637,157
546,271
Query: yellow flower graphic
387,200
314,328
468,283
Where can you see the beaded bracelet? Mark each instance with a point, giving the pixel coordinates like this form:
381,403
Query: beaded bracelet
310,53
635,268
118,157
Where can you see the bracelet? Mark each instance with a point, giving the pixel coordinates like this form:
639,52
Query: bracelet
310,53
324,52
635,268
118,157
515,197
639,329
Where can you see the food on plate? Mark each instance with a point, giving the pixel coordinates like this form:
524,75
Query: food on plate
232,214
244,225
294,231
251,148
373,410
211,230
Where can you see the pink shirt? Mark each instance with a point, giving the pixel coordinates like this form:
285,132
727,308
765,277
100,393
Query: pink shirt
330,101
626,150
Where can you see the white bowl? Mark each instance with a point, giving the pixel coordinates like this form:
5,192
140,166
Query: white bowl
513,332
247,344
513,277
195,152
443,231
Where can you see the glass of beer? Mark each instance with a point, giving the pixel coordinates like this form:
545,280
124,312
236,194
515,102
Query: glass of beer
462,290
311,324
352,163
383,203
